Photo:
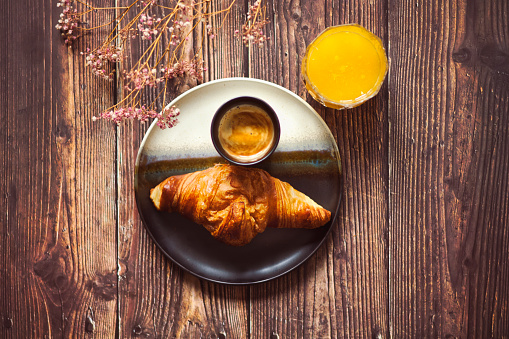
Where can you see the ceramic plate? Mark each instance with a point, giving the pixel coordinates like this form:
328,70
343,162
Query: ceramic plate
307,157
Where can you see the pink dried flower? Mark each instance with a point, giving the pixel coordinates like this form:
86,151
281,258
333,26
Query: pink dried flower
147,26
120,114
153,69
193,69
166,119
137,79
69,21
252,30
99,59
128,33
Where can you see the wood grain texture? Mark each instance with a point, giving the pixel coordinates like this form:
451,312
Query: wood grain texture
363,140
342,290
421,244
448,169
59,233
157,298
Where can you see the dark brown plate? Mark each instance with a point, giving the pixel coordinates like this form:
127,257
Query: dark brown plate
307,157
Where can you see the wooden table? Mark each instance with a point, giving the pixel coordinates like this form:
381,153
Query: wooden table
421,244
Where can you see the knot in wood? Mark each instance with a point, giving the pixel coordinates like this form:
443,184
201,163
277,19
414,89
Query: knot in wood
8,322
461,56
137,330
89,324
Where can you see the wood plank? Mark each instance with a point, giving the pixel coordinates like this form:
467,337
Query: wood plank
58,235
421,245
449,161
157,298
342,290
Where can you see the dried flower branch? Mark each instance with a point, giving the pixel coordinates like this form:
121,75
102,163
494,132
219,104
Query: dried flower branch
252,30
164,28
69,21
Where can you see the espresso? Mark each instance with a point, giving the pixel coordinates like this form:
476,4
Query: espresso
246,133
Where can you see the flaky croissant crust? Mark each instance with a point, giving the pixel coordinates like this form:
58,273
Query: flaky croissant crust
235,203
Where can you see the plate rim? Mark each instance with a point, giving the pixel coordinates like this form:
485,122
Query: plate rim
292,267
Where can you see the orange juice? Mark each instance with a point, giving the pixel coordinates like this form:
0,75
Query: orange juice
344,66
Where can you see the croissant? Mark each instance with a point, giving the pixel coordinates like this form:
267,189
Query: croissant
236,203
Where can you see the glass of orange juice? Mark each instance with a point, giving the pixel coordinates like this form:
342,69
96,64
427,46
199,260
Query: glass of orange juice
344,66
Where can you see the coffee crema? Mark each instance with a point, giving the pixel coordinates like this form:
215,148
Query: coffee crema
246,132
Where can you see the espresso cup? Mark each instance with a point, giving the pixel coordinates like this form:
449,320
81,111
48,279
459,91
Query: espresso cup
245,130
